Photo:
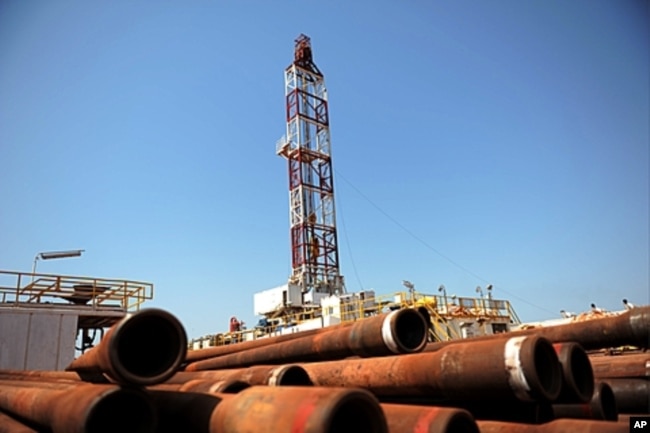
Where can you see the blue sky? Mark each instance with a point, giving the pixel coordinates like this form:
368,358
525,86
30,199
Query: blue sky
473,142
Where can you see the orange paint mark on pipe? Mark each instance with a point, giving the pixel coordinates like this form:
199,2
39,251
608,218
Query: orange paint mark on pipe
424,422
303,413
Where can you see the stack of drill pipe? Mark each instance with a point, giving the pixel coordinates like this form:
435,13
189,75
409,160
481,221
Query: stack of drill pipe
401,331
576,391
628,376
145,348
272,375
557,426
524,369
631,328
142,349
132,371
602,406
272,409
576,388
400,418
77,407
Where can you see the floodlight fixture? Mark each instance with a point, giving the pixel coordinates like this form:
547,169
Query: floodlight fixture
51,255
444,294
59,254
409,285
489,291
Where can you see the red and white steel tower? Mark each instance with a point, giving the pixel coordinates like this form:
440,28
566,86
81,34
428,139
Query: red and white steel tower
306,145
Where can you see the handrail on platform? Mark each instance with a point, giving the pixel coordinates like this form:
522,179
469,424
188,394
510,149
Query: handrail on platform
26,288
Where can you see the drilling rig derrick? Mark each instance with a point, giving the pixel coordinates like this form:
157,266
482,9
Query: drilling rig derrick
307,147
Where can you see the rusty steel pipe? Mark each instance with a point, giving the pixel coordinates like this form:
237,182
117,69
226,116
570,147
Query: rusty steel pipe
520,368
44,375
11,425
272,375
211,352
400,331
632,365
631,328
300,410
557,426
632,395
283,375
577,375
82,408
39,384
603,406
144,348
204,386
64,377
272,409
17,378
428,419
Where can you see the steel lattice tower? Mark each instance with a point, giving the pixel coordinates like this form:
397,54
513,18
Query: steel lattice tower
306,145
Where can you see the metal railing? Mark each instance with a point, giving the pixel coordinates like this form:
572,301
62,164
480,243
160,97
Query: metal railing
27,289
281,144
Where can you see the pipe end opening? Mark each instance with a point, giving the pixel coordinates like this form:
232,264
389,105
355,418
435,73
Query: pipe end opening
544,374
151,347
124,411
357,412
460,422
409,330
293,375
606,402
582,374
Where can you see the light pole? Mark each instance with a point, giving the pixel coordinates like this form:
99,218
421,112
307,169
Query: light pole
489,296
50,255
444,294
479,290
409,285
